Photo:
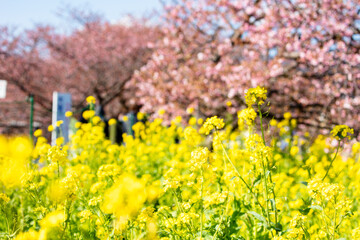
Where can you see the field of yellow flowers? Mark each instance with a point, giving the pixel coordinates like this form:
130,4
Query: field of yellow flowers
205,180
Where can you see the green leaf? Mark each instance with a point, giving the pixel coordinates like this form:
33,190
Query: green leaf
305,183
304,211
278,227
237,214
257,216
316,207
256,182
272,201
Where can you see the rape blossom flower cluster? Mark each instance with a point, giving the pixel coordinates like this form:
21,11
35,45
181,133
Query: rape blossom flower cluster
183,181
255,96
213,123
342,131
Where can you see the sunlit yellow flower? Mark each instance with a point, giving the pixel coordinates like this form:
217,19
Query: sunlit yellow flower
38,133
294,150
168,181
192,121
59,141
213,123
29,235
177,120
68,114
247,115
125,197
255,96
342,131
161,112
273,122
90,100
53,219
57,154
50,128
58,123
88,114
355,234
112,121
85,215
190,110
140,116
199,157
96,120
78,124
4,197
356,147
287,115
95,201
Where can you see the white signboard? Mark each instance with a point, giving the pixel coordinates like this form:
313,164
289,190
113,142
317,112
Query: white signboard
3,84
61,104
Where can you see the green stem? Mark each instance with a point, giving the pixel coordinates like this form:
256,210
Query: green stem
337,150
266,196
201,202
58,169
261,124
239,175
326,225
7,220
182,210
268,167
334,222
31,124
221,219
274,196
67,214
177,202
305,231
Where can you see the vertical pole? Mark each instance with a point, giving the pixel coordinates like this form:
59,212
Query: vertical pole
112,132
131,122
31,99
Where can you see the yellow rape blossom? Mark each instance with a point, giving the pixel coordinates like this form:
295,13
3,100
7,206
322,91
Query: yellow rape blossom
247,116
4,197
161,112
90,100
38,133
58,123
88,114
213,123
342,131
50,128
190,110
125,198
112,121
255,96
68,114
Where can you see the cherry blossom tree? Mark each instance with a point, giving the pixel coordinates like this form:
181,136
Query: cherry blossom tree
100,58
306,53
28,70
97,58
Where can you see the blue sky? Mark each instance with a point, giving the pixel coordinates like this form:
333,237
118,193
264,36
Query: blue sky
26,13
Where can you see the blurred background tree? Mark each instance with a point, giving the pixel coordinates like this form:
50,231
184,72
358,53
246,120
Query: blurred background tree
201,54
306,53
97,58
